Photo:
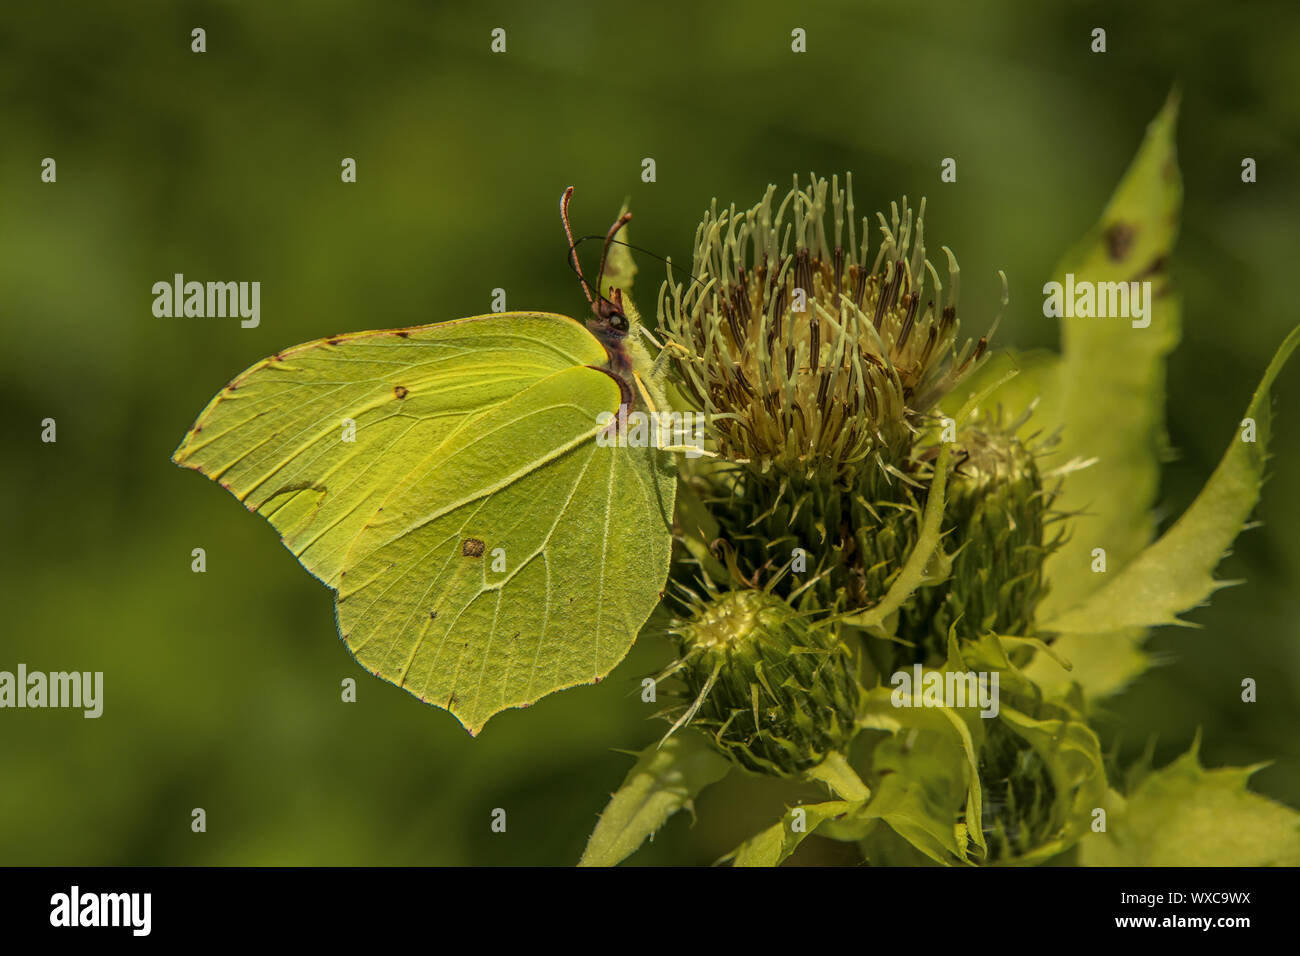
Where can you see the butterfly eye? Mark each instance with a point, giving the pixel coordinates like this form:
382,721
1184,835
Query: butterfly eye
610,315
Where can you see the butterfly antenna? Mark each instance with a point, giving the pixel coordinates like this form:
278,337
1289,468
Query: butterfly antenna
623,220
573,246
653,255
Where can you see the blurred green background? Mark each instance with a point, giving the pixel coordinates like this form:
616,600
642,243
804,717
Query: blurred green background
223,689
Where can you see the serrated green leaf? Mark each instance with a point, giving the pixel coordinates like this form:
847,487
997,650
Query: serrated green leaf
1107,394
928,771
1174,574
925,779
775,844
1111,376
1185,815
836,773
664,779
1103,664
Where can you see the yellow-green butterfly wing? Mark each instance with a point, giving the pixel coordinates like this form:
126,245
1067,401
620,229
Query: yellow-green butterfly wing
447,482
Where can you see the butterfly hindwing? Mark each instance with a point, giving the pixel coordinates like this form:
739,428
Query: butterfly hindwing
504,568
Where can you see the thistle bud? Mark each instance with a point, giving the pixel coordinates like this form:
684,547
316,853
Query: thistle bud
775,691
1018,798
997,509
1040,780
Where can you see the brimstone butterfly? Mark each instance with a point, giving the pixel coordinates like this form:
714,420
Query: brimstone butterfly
446,481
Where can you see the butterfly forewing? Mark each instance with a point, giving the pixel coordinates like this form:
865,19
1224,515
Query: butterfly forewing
316,436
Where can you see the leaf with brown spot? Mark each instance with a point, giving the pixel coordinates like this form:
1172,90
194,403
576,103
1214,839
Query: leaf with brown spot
1120,237
1108,393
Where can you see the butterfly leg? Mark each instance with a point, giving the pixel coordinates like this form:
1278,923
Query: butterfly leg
649,336
692,451
645,395
663,349
657,369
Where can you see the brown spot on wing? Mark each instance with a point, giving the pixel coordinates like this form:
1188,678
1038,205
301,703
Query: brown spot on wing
401,391
472,548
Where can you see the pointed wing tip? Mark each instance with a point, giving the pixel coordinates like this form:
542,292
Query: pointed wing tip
474,722
182,451
471,723
472,727
181,459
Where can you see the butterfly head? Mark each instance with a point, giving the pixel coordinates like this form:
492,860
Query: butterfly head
609,318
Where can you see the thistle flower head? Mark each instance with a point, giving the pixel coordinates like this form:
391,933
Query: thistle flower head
807,352
775,691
